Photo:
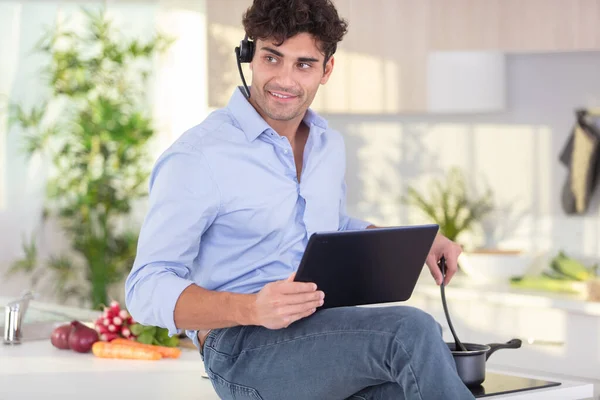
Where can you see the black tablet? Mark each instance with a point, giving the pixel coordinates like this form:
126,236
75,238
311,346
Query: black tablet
368,266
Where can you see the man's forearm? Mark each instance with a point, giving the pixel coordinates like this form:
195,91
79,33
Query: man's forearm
198,308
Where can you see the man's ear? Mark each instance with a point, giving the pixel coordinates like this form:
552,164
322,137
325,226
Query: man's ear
328,70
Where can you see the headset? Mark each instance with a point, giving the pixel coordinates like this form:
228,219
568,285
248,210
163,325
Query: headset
244,54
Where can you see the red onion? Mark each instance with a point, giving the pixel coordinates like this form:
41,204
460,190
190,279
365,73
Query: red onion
82,338
60,337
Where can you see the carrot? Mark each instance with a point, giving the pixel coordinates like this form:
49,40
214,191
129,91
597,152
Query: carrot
168,352
110,350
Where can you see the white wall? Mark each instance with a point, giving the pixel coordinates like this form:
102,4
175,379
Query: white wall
177,96
515,151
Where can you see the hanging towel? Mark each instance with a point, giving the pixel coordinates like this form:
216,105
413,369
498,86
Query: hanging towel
581,156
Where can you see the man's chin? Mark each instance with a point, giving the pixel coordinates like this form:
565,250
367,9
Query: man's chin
281,115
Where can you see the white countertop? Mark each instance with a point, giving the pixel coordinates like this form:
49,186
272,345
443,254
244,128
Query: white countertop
502,293
37,370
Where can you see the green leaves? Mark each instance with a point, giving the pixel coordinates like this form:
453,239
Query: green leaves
28,263
154,335
94,127
450,205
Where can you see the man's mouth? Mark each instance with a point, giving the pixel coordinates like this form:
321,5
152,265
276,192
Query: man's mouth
281,96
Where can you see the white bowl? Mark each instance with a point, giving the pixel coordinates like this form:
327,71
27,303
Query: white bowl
495,265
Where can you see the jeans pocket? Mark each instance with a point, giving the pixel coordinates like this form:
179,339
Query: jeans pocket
232,391
226,341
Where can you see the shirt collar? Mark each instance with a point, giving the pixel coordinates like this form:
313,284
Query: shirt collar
249,120
312,118
253,125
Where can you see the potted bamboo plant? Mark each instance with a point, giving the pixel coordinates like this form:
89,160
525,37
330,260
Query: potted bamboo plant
450,204
94,128
458,211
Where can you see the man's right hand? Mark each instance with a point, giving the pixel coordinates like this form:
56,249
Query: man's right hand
280,303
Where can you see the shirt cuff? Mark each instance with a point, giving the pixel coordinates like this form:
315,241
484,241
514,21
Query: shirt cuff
355,224
173,286
194,336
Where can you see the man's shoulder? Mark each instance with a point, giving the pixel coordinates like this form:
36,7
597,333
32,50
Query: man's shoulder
334,137
215,128
214,132
334,134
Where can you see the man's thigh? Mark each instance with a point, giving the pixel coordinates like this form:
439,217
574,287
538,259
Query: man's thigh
385,391
332,354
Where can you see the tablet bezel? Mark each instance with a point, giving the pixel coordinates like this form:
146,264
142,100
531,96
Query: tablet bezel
414,243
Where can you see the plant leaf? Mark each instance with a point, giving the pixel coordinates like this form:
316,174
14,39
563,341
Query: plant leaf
137,329
146,338
29,262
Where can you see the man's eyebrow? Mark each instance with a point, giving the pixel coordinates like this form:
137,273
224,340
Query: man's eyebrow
307,59
279,54
271,50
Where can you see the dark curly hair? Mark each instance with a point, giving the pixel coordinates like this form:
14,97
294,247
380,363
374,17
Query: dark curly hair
282,19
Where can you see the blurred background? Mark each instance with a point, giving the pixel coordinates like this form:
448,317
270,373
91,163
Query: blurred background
481,116
462,93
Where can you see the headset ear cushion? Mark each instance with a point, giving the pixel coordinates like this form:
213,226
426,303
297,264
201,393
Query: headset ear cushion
246,51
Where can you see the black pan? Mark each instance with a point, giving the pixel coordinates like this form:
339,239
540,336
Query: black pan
470,364
470,358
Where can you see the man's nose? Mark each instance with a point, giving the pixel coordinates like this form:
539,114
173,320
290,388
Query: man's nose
285,77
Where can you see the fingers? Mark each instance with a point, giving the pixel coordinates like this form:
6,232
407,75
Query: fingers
286,287
295,317
298,309
451,267
302,298
434,268
282,302
451,256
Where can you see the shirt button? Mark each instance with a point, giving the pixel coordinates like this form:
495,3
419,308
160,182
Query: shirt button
285,151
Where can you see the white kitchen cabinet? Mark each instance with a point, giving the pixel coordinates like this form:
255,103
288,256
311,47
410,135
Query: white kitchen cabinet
382,63
515,25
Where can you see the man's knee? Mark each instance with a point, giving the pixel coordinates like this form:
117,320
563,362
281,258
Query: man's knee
419,322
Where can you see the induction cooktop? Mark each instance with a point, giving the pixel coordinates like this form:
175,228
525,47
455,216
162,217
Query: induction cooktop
496,384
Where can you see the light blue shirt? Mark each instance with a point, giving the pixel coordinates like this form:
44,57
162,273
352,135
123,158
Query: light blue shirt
227,212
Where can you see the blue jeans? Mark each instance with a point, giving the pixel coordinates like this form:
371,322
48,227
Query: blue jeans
339,353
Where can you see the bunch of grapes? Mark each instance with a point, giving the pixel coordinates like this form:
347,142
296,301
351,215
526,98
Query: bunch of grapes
114,322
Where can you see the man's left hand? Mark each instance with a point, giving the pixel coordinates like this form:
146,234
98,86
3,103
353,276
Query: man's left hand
442,246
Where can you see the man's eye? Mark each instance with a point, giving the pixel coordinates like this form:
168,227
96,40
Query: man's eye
304,65
270,59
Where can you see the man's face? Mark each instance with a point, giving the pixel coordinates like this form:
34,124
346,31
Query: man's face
285,78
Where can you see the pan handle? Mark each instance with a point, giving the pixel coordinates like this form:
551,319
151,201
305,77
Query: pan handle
511,344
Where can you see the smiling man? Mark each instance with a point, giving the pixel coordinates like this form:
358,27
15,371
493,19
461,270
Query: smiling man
232,204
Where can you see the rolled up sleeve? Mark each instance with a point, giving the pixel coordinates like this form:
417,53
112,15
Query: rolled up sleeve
184,201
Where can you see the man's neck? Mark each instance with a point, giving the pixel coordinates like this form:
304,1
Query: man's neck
289,129
284,128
